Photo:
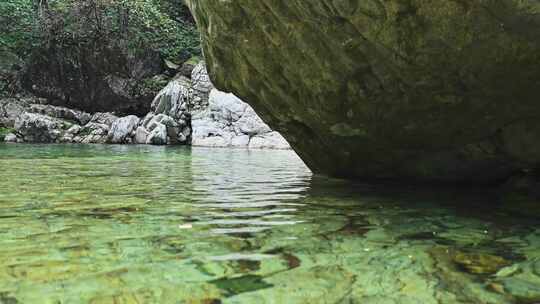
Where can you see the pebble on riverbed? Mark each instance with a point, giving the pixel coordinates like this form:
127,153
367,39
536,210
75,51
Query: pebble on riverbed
479,263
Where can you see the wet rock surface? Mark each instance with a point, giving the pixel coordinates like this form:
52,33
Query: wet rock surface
386,90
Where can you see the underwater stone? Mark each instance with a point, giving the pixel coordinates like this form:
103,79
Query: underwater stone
523,290
480,263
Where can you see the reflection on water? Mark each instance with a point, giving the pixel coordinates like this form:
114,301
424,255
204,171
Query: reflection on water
139,224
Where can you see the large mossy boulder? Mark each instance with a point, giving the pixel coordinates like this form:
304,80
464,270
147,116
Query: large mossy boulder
416,90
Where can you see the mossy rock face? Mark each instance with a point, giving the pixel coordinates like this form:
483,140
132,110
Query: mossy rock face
417,90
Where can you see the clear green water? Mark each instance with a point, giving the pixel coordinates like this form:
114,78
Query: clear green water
140,224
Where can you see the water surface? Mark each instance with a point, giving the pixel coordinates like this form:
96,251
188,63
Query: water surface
142,224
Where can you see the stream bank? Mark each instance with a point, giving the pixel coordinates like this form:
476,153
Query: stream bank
189,110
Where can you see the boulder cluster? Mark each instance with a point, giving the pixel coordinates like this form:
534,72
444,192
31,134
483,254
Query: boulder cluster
189,110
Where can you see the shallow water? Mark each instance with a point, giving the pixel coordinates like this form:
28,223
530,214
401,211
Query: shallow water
141,224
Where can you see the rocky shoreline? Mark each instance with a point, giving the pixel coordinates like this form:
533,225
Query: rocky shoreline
188,111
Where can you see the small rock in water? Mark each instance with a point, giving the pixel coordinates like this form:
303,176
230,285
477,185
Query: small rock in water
292,260
522,290
536,268
496,287
480,263
507,271
5,298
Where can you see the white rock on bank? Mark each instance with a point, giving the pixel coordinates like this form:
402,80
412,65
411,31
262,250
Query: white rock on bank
75,116
92,133
10,110
272,140
227,121
104,118
10,138
200,88
141,135
169,108
122,130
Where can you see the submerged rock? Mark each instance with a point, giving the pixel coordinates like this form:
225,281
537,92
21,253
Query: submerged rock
386,90
521,281
480,263
525,291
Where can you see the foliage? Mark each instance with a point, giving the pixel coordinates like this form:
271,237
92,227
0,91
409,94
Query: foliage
78,43
162,25
17,38
151,86
16,21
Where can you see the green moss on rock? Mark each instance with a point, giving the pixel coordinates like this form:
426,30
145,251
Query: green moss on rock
439,91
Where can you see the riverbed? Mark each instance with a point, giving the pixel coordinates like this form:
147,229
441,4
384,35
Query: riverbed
143,224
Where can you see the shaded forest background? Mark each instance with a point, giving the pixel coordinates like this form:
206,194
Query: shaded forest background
92,53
